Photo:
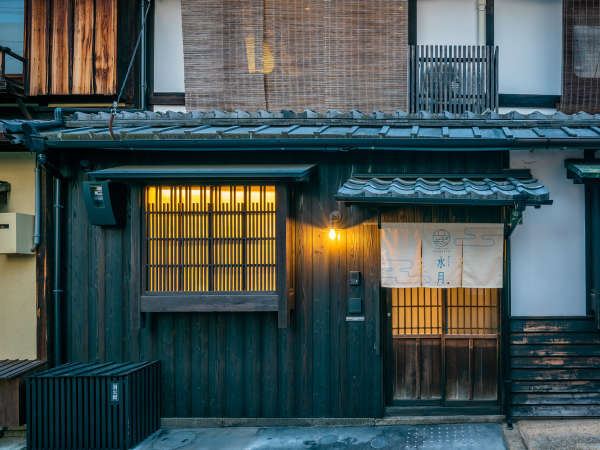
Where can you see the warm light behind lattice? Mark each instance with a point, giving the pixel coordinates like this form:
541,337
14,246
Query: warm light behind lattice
210,238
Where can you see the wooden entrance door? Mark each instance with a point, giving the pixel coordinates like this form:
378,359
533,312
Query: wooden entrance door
442,347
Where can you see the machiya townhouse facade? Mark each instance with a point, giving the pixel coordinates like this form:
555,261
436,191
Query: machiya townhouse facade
309,208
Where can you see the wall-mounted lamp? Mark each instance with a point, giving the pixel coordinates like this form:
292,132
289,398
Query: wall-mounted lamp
334,222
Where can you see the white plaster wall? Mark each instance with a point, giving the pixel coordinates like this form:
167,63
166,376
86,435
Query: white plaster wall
166,108
529,36
168,47
548,249
447,22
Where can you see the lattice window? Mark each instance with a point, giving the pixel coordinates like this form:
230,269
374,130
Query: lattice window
416,311
427,311
210,238
472,311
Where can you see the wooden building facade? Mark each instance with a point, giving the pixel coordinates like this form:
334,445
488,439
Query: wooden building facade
323,337
243,249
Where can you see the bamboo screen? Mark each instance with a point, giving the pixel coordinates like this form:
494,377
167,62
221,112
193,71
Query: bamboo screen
581,56
210,238
295,54
426,311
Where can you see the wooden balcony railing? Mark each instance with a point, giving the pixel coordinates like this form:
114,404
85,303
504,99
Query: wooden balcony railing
454,78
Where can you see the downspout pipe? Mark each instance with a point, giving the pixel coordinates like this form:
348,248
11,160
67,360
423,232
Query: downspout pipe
143,77
481,40
57,292
38,206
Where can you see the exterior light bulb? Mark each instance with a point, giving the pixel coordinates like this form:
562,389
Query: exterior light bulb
332,233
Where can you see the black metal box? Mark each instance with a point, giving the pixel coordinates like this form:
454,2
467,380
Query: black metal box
93,405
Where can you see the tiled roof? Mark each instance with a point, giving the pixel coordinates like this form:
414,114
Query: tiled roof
443,190
309,129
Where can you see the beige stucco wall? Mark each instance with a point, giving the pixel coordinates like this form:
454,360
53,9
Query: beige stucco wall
17,272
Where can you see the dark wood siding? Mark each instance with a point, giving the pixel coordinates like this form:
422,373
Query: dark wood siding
555,367
72,47
241,364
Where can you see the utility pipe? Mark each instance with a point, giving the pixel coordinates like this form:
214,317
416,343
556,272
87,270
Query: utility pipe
481,40
143,14
57,291
38,206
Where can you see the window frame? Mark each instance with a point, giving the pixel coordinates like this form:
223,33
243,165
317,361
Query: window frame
280,301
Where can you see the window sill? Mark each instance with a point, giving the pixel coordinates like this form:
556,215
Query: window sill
209,302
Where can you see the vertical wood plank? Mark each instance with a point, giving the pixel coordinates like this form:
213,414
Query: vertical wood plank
105,47
114,294
304,368
269,362
38,48
252,359
182,362
59,58
321,292
373,377
96,318
79,277
200,365
83,36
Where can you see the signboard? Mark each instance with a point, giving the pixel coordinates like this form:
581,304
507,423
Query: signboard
438,255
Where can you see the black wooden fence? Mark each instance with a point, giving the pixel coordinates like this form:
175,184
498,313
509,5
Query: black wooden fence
454,78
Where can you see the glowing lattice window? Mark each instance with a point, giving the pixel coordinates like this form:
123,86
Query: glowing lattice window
209,238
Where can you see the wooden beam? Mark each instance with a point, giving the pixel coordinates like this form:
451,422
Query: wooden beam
209,303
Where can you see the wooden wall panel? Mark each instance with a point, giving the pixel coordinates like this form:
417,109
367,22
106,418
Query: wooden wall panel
555,367
242,364
83,36
60,58
105,46
38,48
72,47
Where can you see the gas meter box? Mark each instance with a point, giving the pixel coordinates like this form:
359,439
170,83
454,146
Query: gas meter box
105,203
16,233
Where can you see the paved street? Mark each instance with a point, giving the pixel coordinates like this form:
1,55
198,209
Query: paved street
445,436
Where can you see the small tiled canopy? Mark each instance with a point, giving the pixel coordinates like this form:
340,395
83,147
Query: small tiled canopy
464,191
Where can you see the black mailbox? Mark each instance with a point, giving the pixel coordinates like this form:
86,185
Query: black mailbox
105,202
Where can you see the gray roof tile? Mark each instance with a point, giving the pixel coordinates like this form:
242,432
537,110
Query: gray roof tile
399,190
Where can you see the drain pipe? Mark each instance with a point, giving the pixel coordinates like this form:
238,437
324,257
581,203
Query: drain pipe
481,40
38,206
57,291
143,15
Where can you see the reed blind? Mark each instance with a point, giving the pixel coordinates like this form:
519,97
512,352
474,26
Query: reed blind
581,56
210,238
295,54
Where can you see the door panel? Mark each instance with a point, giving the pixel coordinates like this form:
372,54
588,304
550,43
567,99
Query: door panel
444,345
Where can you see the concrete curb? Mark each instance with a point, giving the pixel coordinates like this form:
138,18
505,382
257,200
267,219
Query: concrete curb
206,422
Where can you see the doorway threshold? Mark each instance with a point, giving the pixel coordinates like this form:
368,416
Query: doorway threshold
441,414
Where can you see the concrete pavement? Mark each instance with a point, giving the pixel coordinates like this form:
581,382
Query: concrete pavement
468,436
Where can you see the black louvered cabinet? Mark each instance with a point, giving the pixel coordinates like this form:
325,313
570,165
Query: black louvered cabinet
93,405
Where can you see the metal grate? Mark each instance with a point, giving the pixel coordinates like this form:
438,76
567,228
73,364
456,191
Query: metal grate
455,78
210,238
456,311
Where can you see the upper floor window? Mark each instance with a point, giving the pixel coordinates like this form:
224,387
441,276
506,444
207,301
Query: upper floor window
210,238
